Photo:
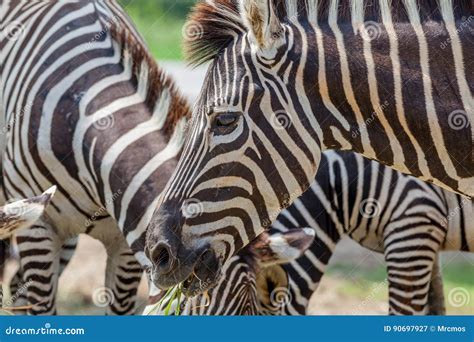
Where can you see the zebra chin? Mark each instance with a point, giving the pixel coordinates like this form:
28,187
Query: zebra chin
197,269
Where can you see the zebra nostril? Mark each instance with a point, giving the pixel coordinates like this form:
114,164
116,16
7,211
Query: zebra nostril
162,258
206,254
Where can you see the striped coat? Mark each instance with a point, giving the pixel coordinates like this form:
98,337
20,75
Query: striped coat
84,107
406,219
290,79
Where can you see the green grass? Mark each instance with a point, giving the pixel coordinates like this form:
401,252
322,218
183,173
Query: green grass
160,23
457,276
163,37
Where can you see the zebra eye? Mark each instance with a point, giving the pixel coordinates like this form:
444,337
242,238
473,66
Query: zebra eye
224,123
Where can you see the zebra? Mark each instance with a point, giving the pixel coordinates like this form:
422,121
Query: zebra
84,106
290,79
21,214
406,219
237,292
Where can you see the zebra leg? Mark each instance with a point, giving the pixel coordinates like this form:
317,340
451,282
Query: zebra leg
409,277
16,285
4,255
39,248
67,252
17,292
436,301
122,278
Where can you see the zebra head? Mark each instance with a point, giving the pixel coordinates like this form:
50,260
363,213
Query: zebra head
254,281
243,160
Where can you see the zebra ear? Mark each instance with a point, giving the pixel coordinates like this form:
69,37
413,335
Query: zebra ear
23,213
259,16
282,248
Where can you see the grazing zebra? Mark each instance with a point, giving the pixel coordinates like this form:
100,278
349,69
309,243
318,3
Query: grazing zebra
244,279
406,219
247,288
290,79
85,107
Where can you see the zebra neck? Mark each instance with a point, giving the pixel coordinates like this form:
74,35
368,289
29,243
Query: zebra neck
131,163
374,94
352,107
139,121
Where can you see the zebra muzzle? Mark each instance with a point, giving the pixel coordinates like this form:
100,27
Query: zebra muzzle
205,274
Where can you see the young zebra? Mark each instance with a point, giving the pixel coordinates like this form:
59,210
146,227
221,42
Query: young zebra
18,215
290,79
406,219
86,108
22,214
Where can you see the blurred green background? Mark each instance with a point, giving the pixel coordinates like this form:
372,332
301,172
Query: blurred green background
160,22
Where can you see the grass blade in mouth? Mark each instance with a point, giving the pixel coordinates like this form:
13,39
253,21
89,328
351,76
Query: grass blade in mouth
165,304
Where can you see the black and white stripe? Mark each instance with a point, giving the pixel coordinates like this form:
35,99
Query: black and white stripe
290,79
85,108
251,279
20,215
407,220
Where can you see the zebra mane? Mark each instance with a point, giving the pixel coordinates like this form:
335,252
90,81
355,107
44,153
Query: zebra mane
214,24
158,81
211,27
